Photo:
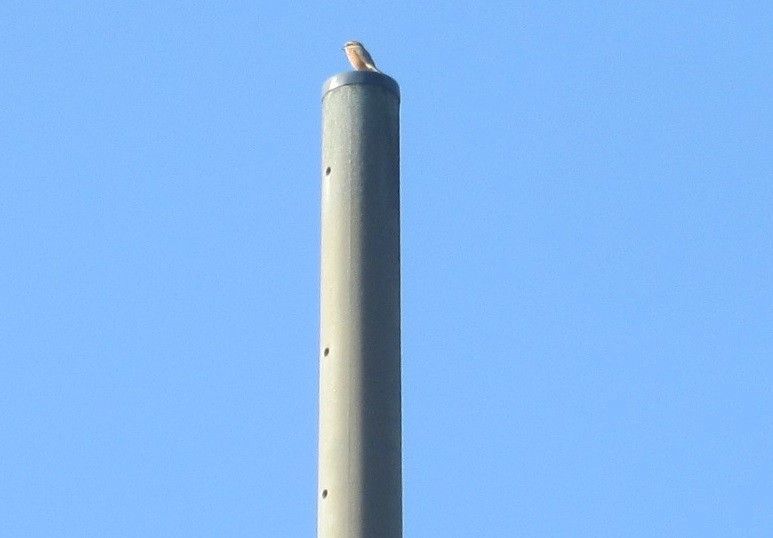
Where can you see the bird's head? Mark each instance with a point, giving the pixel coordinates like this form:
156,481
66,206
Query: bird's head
352,44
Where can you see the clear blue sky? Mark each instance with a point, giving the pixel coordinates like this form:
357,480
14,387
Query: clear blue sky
587,201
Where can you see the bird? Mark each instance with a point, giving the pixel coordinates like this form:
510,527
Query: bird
359,57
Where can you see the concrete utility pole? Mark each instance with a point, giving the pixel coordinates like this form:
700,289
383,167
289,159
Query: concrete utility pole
360,455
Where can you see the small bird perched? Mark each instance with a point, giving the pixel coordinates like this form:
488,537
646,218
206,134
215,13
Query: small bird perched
359,57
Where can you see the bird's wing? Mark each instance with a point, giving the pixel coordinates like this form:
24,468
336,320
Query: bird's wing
367,57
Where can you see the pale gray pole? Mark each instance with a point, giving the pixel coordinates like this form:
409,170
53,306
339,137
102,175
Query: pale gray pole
360,455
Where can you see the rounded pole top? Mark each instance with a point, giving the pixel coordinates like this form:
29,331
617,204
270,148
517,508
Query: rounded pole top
370,78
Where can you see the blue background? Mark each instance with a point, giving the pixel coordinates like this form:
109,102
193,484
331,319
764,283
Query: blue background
587,258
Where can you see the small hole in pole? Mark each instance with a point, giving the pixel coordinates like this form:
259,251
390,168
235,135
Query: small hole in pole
324,494
327,171
326,352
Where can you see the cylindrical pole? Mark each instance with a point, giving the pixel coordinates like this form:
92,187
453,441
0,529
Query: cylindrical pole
360,460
